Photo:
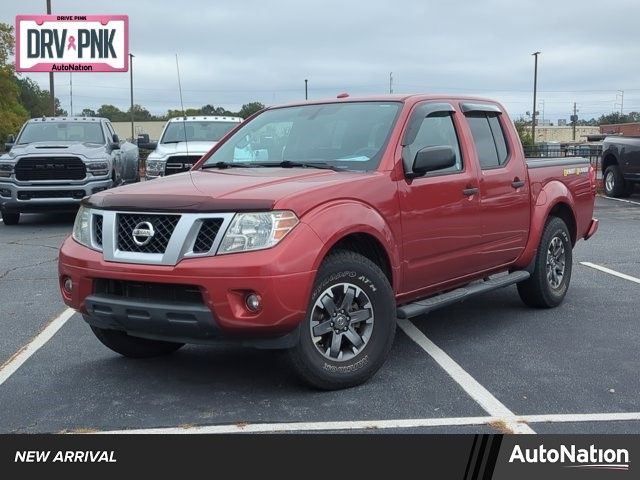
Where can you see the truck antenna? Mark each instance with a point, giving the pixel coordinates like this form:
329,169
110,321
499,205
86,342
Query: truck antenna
184,116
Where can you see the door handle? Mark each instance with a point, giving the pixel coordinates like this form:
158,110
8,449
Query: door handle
517,183
470,191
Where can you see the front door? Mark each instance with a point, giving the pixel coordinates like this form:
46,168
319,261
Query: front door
440,210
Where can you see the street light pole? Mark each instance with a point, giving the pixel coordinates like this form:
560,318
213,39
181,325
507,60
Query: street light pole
306,89
535,91
52,94
131,87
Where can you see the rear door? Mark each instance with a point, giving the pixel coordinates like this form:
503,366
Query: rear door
504,186
440,211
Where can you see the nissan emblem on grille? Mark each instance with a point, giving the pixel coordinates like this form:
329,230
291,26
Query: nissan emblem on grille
143,233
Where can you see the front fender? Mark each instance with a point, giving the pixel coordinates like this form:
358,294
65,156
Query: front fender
335,220
550,195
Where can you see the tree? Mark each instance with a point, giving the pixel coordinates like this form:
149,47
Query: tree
87,112
36,100
12,113
113,113
617,117
524,132
140,114
249,109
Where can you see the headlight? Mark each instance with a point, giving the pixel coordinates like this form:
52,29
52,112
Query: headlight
256,231
155,166
6,169
98,168
82,227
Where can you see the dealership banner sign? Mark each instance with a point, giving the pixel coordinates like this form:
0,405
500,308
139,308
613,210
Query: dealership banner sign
72,43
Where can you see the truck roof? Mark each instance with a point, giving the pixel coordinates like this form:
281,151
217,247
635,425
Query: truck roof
206,118
68,119
397,97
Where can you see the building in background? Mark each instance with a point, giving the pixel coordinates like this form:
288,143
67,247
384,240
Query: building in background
626,129
563,133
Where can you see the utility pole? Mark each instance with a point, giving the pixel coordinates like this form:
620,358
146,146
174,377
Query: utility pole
52,94
71,93
390,82
621,94
306,89
574,120
535,92
131,91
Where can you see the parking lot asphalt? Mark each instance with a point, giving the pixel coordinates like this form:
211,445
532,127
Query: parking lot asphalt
571,369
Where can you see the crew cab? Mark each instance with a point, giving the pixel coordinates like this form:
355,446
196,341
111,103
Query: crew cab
184,140
314,226
620,165
56,161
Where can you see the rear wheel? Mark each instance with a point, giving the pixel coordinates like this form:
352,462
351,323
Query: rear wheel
134,347
549,282
350,323
615,184
10,218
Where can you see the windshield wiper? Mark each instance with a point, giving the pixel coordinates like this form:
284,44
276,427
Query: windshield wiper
223,165
292,164
172,141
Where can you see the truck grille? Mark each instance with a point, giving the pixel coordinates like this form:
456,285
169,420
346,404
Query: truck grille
97,229
160,292
207,235
50,168
29,194
163,226
180,163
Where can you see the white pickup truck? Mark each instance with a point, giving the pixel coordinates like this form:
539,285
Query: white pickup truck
56,161
184,140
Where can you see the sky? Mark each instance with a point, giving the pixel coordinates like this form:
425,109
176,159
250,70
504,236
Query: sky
235,52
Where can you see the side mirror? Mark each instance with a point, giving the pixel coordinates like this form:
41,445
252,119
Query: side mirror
115,142
429,159
11,139
148,145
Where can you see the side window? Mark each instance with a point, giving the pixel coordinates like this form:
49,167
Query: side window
489,139
110,130
435,131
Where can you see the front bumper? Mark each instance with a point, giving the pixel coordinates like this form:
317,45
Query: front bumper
31,198
282,276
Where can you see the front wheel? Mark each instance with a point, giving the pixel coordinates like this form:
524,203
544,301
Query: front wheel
134,347
549,282
350,323
10,218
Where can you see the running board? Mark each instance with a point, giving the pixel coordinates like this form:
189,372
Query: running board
454,296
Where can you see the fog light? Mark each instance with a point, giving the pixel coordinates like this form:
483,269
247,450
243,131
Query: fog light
253,302
68,285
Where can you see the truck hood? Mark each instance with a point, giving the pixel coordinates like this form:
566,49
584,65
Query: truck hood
89,150
225,190
181,148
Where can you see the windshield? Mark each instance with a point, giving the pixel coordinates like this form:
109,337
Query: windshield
196,131
62,132
350,135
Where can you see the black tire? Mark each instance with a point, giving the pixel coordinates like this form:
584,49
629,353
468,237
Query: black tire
134,347
10,218
539,290
337,270
615,184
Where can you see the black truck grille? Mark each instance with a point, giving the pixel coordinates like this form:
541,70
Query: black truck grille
180,163
50,168
162,225
97,229
161,292
207,235
30,194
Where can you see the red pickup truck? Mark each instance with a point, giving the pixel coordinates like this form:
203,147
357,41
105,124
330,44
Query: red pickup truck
314,226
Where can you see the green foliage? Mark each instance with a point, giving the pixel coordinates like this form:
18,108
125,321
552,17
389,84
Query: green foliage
12,113
617,117
35,100
524,132
249,109
113,113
